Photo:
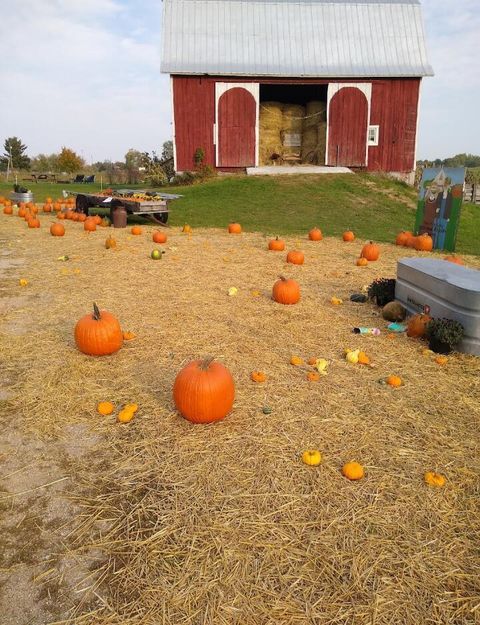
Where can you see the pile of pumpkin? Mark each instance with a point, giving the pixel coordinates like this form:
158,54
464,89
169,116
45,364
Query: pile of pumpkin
422,243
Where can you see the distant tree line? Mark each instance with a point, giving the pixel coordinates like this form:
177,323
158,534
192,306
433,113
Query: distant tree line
137,167
459,160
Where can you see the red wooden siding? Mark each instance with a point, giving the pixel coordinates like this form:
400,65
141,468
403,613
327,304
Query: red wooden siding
194,115
394,108
394,105
347,128
237,116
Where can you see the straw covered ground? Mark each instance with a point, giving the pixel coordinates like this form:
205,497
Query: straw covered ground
222,524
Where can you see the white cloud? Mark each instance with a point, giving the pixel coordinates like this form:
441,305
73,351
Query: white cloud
78,79
449,104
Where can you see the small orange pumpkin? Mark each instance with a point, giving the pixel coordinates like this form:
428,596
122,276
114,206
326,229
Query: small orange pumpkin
417,325
454,259
411,240
136,230
424,243
97,220
89,225
8,210
295,257
361,262
353,471
313,376
296,361
258,376
129,336
34,223
348,236
394,380
286,291
434,479
204,391
60,215
315,234
110,243
81,217
277,245
402,238
47,208
57,230
105,408
159,237
370,251
234,228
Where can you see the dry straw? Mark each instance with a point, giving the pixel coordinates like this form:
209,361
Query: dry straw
223,524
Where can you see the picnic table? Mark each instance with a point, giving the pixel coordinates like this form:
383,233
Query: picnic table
41,178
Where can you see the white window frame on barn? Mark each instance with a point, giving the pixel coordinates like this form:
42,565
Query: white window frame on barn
373,135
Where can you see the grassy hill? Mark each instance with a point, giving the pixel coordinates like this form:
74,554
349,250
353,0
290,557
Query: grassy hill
373,206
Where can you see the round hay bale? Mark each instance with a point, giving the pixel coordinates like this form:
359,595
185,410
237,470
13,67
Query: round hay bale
271,116
315,113
309,145
293,115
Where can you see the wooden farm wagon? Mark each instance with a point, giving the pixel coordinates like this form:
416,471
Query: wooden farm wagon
151,204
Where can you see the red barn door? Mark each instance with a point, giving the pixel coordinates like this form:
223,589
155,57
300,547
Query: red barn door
347,128
237,116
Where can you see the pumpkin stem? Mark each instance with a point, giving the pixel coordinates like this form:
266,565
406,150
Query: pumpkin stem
96,312
282,278
206,362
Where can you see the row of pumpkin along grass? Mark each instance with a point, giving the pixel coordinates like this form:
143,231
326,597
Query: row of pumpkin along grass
204,389
65,210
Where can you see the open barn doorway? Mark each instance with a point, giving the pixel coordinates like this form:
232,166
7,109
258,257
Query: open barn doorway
292,124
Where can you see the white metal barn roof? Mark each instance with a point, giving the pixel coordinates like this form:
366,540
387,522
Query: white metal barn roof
316,38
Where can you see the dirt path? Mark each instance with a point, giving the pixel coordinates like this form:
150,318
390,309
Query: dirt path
42,578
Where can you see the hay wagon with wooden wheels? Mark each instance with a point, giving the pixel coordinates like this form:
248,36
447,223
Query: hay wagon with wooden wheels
150,204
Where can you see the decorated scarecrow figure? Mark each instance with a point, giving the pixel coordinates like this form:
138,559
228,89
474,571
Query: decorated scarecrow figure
438,208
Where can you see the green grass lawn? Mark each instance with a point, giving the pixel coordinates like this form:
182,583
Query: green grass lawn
373,206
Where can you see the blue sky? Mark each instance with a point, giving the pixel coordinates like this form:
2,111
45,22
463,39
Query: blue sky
85,74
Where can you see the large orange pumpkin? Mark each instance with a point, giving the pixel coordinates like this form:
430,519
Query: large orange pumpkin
234,228
98,334
424,243
159,237
315,234
370,251
57,230
295,257
204,391
417,325
277,245
402,238
286,291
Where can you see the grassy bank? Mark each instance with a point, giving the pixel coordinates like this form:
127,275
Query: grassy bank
373,206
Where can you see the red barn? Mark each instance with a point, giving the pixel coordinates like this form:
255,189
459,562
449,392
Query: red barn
326,82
